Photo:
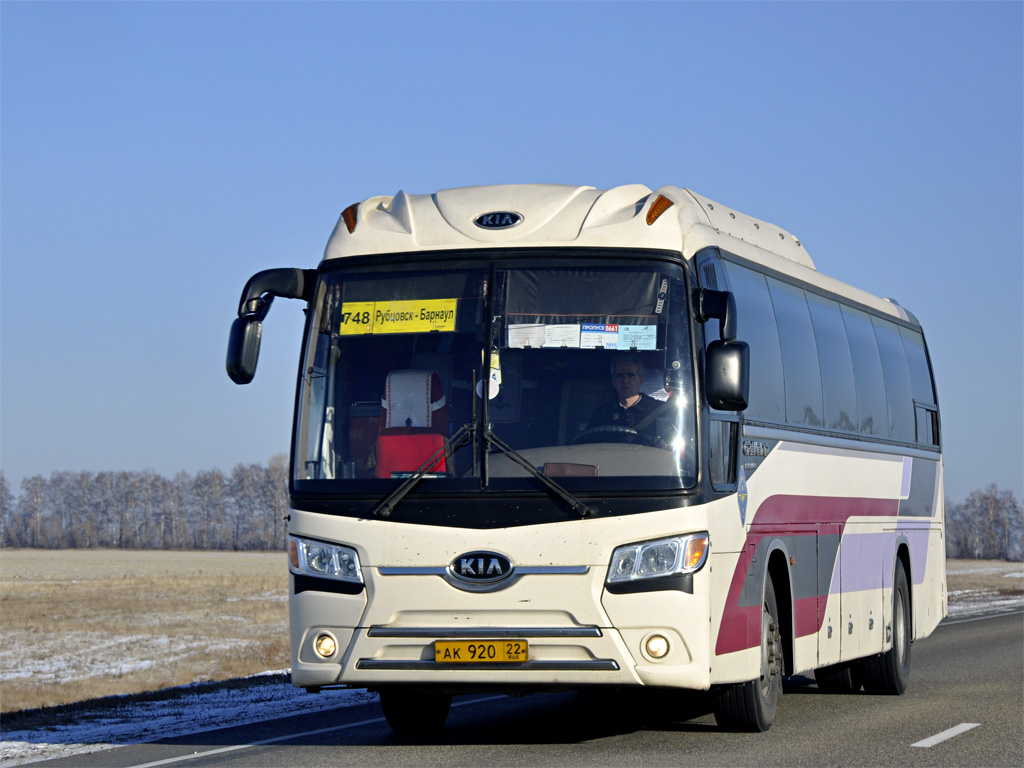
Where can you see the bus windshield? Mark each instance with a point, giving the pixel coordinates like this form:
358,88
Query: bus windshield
462,370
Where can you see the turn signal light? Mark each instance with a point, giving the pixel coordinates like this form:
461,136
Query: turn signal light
661,205
349,217
694,552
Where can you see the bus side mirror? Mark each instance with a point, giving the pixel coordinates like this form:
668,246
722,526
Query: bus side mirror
257,296
244,348
727,361
727,375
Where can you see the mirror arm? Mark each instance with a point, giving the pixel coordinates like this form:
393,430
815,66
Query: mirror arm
258,295
721,305
262,287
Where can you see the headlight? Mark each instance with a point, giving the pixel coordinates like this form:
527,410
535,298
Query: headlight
325,561
653,559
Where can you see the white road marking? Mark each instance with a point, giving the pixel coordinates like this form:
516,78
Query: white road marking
938,738
287,737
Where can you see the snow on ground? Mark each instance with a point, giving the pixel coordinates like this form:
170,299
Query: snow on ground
974,602
189,709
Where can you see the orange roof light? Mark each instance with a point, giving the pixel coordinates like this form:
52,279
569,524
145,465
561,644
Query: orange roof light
349,217
661,205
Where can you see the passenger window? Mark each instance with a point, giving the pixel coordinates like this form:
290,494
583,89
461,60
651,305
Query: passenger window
917,363
837,381
756,327
899,397
799,354
871,406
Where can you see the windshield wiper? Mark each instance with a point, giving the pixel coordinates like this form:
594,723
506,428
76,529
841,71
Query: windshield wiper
463,435
578,506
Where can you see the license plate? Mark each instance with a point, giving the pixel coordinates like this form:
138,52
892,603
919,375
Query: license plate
480,651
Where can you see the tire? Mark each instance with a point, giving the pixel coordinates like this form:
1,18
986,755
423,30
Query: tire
889,673
839,678
751,706
414,711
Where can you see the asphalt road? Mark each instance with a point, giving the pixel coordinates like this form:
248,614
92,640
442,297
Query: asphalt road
968,676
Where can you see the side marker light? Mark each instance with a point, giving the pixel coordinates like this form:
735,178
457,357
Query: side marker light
349,217
660,205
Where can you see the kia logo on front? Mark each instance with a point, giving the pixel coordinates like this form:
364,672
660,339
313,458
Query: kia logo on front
481,567
498,220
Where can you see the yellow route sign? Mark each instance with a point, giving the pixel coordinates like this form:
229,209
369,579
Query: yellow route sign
410,316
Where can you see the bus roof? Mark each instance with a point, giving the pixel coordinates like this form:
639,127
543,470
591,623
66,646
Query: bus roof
551,215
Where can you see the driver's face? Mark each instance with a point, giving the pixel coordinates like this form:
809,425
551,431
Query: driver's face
627,381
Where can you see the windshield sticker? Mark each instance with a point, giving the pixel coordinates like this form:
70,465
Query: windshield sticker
583,336
561,335
410,316
525,336
638,337
534,335
599,336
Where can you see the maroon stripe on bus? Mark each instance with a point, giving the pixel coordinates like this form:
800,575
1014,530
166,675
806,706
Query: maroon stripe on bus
785,515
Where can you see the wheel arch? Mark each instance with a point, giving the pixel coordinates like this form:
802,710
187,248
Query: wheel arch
903,557
778,568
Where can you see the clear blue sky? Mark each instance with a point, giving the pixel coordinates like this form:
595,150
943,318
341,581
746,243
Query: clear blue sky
154,155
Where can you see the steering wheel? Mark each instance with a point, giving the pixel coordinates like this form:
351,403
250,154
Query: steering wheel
624,435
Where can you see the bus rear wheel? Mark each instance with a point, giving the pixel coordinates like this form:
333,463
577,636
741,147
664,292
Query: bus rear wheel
415,711
751,706
839,678
889,673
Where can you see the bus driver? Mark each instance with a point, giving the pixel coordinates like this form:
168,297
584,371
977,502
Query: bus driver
630,409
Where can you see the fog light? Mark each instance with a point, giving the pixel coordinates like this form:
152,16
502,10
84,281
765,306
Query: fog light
325,645
656,646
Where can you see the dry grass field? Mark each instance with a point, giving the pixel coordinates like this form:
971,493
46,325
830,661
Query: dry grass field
81,624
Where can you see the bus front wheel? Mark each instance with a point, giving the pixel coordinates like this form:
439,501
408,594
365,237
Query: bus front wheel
414,711
751,706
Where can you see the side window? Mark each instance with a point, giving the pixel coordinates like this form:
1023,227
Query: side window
837,380
897,381
917,363
926,419
756,326
871,406
926,412
722,447
799,354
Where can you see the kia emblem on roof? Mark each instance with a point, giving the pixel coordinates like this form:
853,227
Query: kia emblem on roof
498,220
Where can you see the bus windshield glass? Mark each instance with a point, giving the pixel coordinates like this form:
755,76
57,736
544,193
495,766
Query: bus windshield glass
462,370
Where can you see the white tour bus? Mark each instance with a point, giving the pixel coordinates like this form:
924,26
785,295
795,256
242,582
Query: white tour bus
524,459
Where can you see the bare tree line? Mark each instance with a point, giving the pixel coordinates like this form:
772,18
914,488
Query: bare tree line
245,510
989,525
